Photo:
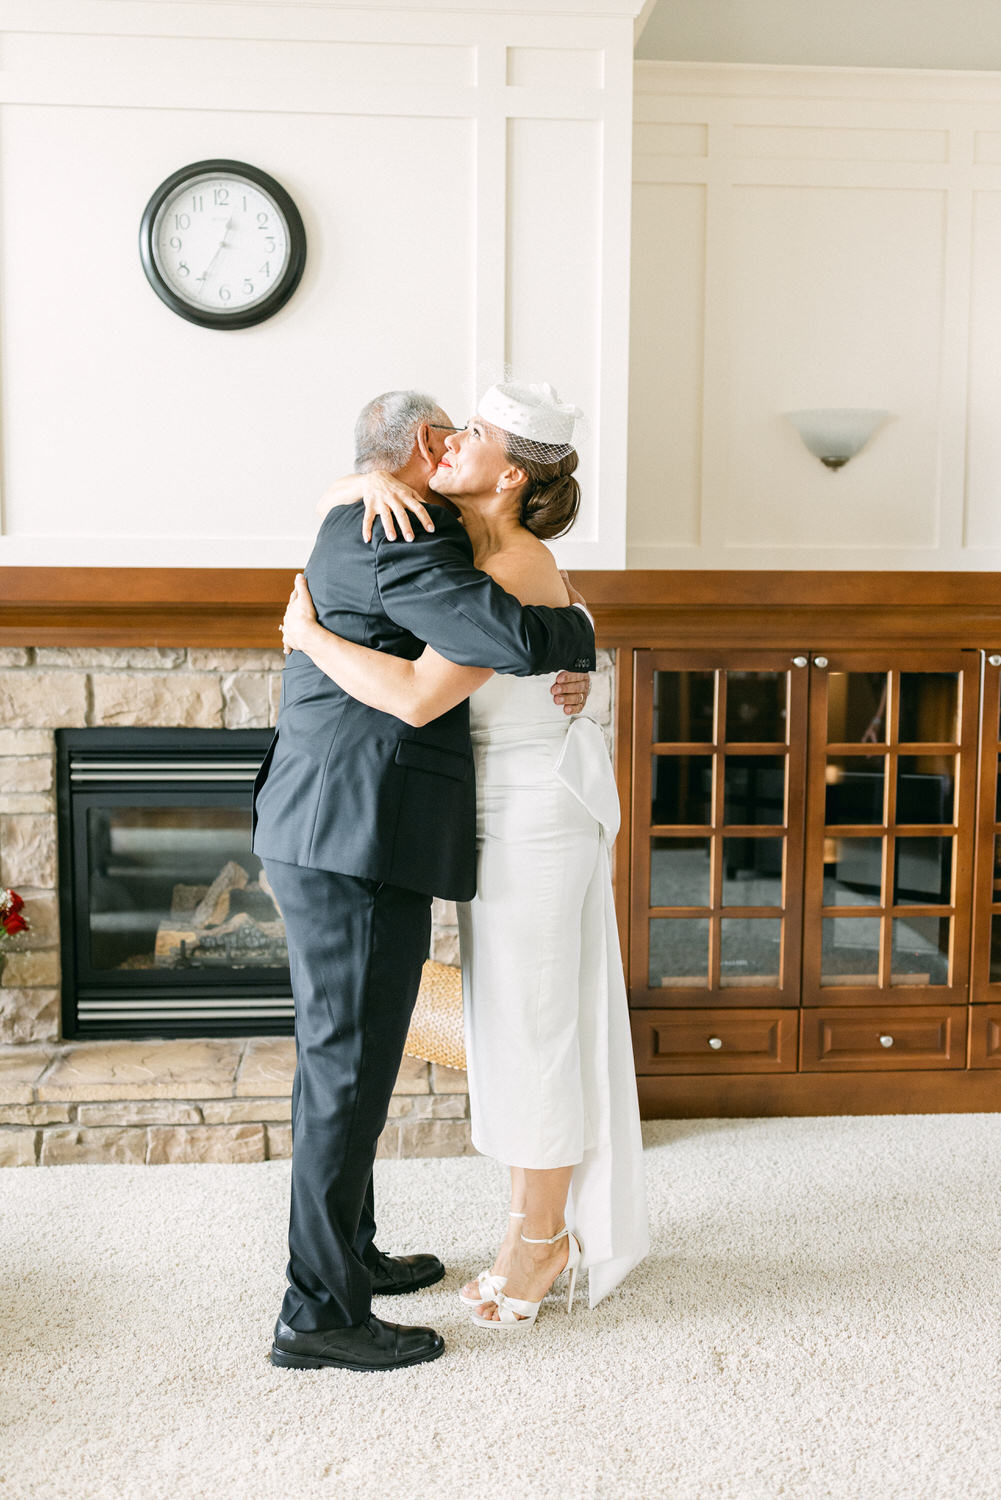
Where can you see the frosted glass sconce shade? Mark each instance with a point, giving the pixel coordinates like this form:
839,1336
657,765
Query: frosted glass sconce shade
836,435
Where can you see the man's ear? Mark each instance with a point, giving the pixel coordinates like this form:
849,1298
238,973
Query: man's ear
423,441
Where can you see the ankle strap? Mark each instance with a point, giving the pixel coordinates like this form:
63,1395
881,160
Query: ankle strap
550,1241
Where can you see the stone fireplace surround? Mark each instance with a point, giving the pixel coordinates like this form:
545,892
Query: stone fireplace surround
171,1100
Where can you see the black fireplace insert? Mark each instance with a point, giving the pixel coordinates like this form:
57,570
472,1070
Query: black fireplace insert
169,927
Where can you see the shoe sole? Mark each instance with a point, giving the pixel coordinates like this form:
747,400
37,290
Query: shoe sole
415,1286
285,1361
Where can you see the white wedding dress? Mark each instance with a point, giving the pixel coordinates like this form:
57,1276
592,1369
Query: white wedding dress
551,1075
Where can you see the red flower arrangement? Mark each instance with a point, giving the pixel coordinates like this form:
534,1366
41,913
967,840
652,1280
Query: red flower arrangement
12,918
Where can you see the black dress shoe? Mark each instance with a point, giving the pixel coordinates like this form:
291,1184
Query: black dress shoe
373,1345
394,1274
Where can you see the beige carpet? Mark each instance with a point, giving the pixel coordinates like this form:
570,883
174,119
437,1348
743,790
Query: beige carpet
819,1317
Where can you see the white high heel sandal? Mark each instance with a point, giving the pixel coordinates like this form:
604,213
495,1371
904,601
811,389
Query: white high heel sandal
514,1312
489,1284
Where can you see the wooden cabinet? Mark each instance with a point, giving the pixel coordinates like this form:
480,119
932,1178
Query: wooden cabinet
715,1041
884,1037
809,831
717,848
985,1036
890,827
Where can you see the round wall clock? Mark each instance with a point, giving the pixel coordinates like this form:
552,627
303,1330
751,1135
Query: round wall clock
222,244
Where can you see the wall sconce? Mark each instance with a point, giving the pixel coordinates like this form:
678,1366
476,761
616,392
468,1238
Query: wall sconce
836,435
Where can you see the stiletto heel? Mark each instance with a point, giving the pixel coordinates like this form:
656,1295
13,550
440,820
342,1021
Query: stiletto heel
573,1272
489,1284
514,1312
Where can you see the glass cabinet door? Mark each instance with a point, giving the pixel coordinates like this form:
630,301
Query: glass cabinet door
985,980
889,845
719,770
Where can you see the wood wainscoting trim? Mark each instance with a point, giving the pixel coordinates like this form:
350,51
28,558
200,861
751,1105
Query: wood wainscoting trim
243,607
746,1096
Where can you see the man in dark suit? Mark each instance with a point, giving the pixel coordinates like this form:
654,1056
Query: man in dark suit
360,820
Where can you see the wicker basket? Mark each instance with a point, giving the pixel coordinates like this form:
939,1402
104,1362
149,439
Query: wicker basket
436,1025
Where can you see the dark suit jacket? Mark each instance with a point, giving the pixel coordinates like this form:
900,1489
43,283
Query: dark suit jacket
346,788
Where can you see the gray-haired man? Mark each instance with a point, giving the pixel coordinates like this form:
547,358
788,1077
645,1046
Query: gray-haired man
360,820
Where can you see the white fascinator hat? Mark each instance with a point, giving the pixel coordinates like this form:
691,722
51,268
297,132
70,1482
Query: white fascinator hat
537,423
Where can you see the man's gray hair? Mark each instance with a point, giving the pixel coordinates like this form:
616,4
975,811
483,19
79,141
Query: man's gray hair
386,428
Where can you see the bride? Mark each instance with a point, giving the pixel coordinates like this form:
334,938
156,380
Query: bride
551,1081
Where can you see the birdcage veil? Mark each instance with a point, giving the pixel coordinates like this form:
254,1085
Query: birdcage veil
531,420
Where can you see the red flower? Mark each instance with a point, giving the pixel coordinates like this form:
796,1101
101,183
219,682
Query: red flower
14,901
15,923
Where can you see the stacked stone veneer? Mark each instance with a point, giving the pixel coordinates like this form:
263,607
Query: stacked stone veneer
171,1100
193,1100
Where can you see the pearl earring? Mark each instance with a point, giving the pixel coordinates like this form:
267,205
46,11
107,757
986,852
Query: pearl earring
497,490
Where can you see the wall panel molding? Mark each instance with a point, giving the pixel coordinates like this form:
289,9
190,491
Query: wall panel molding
849,260
391,132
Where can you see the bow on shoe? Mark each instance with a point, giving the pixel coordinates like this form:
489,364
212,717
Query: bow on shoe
515,1310
490,1287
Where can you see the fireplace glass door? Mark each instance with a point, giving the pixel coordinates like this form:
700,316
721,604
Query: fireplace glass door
169,925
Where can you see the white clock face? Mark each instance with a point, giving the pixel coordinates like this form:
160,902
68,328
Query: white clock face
221,243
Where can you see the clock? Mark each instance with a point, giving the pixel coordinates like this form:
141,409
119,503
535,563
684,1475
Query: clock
222,244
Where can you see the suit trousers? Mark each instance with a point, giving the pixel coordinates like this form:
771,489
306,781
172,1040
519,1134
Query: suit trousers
356,950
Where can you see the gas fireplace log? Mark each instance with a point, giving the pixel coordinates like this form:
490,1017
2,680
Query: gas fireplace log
238,937
185,898
232,915
241,932
214,905
174,943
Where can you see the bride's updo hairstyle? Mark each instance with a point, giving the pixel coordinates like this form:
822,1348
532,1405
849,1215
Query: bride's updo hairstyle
551,498
536,430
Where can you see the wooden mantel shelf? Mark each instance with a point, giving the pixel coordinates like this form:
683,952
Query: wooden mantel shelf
243,606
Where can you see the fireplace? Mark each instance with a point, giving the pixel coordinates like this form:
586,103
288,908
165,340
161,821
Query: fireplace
168,925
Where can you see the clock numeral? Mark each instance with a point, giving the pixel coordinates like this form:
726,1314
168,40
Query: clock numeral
224,294
182,221
245,203
248,287
262,220
266,268
197,203
175,242
183,269
220,196
271,245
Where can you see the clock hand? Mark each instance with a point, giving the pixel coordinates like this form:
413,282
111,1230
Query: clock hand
223,245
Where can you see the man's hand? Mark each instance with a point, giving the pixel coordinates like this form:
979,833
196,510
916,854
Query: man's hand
570,691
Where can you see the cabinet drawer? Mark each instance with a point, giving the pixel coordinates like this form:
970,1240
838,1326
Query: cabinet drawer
985,1036
715,1041
887,1038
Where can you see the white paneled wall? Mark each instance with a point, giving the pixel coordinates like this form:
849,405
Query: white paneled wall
815,238
464,178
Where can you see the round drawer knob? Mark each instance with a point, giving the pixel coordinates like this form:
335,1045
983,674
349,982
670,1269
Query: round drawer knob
820,661
995,661
801,661
886,1041
715,1043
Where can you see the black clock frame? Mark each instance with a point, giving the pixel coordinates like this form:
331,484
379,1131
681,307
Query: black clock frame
244,317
